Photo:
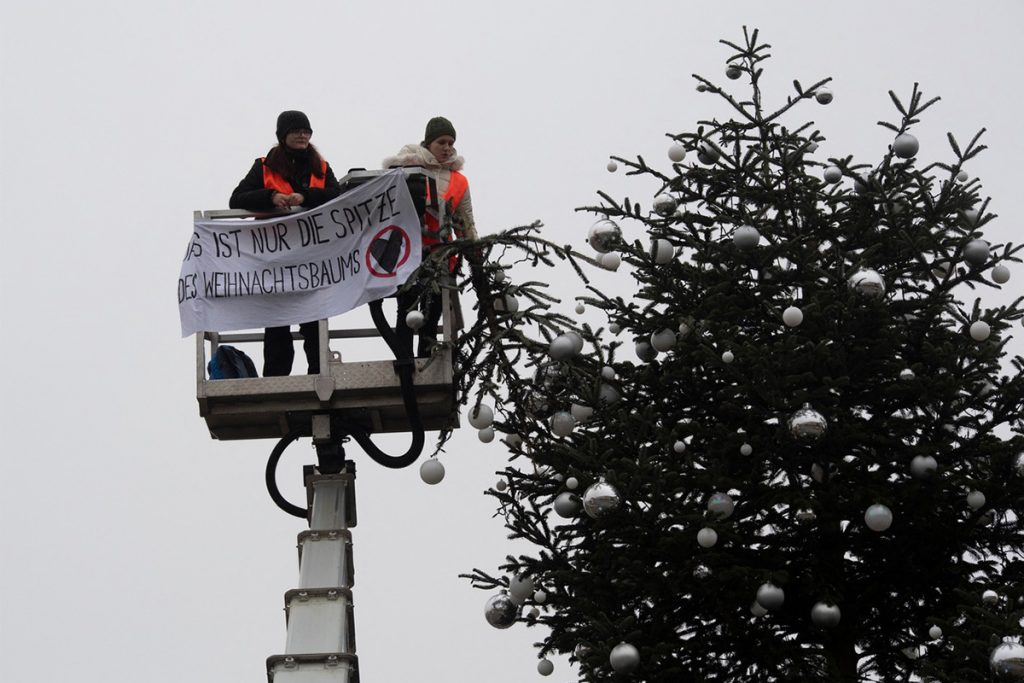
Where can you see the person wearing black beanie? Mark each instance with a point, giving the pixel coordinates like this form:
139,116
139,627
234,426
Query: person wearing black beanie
291,174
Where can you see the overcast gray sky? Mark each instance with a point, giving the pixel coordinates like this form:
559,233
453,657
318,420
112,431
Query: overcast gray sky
135,547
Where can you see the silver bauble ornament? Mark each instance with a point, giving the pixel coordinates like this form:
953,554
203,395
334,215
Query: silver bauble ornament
500,611
676,153
608,394
614,328
707,537
823,95
878,517
721,505
645,351
603,236
934,632
520,588
1007,661
610,261
608,372
499,275
792,316
923,466
580,412
562,423
486,435
980,330
540,597
746,237
825,615
905,146
962,176
728,356
1000,274
414,319
906,374
612,167
432,471
580,308
732,72
707,153
746,449
662,251
867,283
770,596
601,499
807,425
545,667
506,304
624,658
970,217
572,483
757,610
664,205
481,416
679,447
976,499
663,340
976,252
562,347
990,597
832,174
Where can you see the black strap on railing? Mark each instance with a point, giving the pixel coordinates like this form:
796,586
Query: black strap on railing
271,477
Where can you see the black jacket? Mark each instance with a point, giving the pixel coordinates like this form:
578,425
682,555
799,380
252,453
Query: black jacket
253,196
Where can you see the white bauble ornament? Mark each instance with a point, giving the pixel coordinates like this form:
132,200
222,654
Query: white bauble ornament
580,412
825,615
770,596
500,611
721,505
610,261
664,205
990,597
415,319
608,394
580,309
757,610
601,499
976,252
662,251
811,147
645,351
792,316
732,72
905,146
980,330
1007,661
614,328
746,237
481,416
562,347
832,174
878,517
728,356
807,425
676,153
1000,274
624,658
746,449
976,499
906,374
684,330
867,283
572,483
499,275
604,235
707,537
540,597
823,95
432,471
562,423
506,304
923,466
520,588
545,667
663,340
935,633
612,167
486,435
679,447
962,176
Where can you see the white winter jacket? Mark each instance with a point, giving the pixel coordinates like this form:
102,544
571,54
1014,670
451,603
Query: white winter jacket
418,155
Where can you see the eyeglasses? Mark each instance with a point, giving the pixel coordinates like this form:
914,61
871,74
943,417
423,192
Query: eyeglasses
301,131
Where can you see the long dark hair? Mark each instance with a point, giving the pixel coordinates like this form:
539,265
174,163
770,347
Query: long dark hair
283,163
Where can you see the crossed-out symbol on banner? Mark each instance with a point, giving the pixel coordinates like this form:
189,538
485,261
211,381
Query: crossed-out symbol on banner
389,249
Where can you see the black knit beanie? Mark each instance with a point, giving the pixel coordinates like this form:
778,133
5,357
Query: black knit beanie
291,120
436,127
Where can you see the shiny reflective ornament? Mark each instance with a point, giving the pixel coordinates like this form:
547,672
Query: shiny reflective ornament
1007,662
707,153
664,205
624,658
701,572
500,611
507,304
679,447
757,610
980,330
501,485
867,283
612,167
728,357
807,425
811,146
580,309
645,351
1000,275
432,471
721,505
976,252
562,347
414,319
990,598
733,72
572,483
540,597
906,374
746,237
707,537
962,176
610,261
562,423
662,251
746,449
832,174
940,269
604,236
878,517
663,340
486,435
545,667
608,372
905,146
614,328
520,588
825,615
934,632
976,499
792,316
770,596
567,504
601,499
481,416
676,153
923,466
580,412
823,95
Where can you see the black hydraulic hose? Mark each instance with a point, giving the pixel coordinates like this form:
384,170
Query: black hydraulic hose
271,476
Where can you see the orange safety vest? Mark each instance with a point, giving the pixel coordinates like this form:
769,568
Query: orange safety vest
272,180
457,186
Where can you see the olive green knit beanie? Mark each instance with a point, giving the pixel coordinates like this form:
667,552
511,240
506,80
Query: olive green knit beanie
436,127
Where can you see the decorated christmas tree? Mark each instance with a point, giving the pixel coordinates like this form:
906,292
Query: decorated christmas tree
795,451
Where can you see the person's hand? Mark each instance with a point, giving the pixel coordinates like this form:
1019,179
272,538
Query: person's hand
280,200
295,199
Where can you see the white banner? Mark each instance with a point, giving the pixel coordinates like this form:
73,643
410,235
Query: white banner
244,274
